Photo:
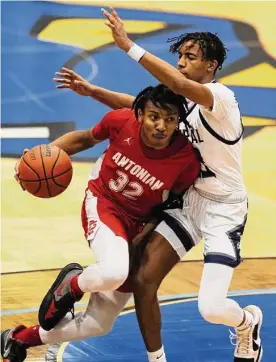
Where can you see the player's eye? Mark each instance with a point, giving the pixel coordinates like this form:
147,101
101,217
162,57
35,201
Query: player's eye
171,119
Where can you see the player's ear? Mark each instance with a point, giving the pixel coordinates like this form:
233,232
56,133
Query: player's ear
140,116
212,66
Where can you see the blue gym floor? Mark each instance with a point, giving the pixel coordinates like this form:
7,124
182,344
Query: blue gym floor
187,337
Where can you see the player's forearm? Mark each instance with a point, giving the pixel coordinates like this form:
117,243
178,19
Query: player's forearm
112,99
74,142
174,80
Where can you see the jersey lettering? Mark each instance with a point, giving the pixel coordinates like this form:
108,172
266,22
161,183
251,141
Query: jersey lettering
136,170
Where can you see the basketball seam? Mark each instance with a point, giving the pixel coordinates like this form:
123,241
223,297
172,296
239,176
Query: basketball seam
55,163
53,178
34,172
45,172
48,178
54,181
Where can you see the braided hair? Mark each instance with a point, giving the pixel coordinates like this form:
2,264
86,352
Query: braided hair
210,45
162,97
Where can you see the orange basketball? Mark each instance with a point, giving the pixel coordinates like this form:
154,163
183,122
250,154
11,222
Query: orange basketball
45,171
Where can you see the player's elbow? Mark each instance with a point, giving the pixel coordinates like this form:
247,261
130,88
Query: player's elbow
88,140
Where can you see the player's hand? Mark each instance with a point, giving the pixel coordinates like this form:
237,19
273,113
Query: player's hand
72,80
16,172
118,30
139,238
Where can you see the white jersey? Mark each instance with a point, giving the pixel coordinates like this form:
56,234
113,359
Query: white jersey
209,131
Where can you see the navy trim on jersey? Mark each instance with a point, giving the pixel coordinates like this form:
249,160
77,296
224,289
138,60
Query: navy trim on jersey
222,259
190,110
216,135
182,234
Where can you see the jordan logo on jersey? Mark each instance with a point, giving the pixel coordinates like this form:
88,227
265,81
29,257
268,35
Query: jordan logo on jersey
137,170
127,140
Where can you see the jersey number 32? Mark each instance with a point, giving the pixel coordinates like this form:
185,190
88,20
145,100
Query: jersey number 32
130,190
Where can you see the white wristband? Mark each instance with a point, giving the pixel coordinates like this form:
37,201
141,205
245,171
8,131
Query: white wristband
136,52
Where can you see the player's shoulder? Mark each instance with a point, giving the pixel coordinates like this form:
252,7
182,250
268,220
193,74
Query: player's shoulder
220,90
122,113
118,118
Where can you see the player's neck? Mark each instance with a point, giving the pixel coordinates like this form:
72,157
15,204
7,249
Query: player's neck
207,79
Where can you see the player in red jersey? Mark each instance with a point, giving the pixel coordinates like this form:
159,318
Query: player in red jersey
146,158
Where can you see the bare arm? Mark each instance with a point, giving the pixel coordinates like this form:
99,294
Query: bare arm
177,82
160,69
112,99
72,80
76,141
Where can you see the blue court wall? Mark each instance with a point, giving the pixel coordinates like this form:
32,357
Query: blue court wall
32,53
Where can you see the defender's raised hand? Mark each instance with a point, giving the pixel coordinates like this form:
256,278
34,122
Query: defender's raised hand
117,27
72,80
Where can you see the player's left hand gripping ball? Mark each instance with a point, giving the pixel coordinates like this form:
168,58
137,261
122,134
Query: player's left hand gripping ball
45,171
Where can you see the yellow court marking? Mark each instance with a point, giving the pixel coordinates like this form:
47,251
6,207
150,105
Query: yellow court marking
261,75
61,351
91,33
42,233
259,170
256,121
259,14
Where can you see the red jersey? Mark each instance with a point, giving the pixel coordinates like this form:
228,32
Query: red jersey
136,177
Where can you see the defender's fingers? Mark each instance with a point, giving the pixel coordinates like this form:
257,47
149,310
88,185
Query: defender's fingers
62,80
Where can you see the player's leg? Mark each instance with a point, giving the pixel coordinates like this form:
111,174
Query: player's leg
98,319
157,261
165,248
107,238
222,238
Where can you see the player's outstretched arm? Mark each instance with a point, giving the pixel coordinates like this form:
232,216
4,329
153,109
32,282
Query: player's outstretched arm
68,79
160,69
76,141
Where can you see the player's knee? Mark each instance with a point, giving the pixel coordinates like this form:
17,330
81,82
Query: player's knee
144,283
211,311
99,325
114,276
104,326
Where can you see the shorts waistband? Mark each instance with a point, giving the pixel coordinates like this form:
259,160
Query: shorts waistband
235,198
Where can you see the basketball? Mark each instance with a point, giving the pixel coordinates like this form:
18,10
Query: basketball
45,171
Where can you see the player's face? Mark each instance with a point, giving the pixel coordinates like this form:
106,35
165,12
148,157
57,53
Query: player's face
158,125
192,65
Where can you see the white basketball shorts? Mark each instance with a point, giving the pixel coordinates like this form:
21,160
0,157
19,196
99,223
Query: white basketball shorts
219,222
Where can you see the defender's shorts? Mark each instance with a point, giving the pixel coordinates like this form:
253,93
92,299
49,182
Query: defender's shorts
221,224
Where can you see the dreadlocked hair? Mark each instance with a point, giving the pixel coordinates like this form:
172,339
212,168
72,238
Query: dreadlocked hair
162,97
210,45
